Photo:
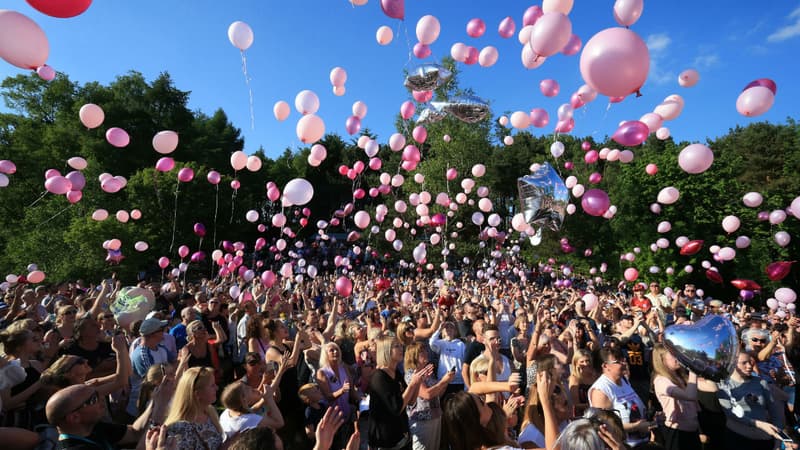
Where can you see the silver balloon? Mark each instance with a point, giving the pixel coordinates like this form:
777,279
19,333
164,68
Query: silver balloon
708,347
429,115
543,198
427,77
469,109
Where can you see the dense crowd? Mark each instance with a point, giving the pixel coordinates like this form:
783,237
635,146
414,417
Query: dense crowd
406,361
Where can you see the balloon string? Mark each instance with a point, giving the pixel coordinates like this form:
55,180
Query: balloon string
38,199
56,215
249,90
216,209
233,203
408,42
175,217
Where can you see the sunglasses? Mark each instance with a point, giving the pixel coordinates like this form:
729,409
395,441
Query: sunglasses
108,316
762,341
70,312
93,399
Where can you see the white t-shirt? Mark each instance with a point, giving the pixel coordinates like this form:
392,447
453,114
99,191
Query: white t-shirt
232,425
532,434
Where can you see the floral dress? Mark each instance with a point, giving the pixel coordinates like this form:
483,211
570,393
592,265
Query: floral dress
195,436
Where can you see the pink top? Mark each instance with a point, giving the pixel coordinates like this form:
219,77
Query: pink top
680,414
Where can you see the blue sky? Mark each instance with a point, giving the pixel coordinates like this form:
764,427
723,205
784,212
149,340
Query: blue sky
298,42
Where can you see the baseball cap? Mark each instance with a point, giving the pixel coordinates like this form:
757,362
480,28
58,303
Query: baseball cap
151,325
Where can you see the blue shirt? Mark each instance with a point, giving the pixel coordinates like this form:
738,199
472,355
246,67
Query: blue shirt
179,333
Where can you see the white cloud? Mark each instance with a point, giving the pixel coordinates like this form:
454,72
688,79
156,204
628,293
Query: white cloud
706,61
788,31
658,42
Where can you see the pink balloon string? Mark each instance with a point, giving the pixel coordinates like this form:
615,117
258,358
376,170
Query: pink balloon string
56,215
233,207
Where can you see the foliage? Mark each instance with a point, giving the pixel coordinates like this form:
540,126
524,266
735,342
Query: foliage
43,130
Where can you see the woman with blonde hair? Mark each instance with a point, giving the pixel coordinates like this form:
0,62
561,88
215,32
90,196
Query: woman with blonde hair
425,412
388,422
156,374
581,378
532,430
192,420
202,348
677,395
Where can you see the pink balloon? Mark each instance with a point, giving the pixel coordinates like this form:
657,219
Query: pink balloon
476,27
595,178
488,56
631,133
214,177
58,185
539,117
653,121
396,9
755,101
117,137
421,50
100,215
695,158
451,174
375,163
615,62
50,173
565,126
163,262
573,45
688,78
77,179
136,214
310,129
36,276
165,164
7,167
472,56
651,169
549,87
531,15
765,82
235,184
506,28
338,76
551,33
61,9
631,274
627,12
165,142
22,42
281,110
183,251
74,196
344,286
46,72
186,174
591,157
407,110
595,202
420,134
428,29
352,125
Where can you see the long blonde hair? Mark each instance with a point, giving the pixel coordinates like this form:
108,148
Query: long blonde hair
383,350
660,367
185,406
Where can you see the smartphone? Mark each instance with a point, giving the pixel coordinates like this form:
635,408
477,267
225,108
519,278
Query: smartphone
786,440
453,369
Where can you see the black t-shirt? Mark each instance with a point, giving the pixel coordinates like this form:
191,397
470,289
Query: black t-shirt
388,421
474,349
209,321
94,357
104,436
464,328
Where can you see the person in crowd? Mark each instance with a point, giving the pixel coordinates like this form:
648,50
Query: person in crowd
203,350
334,382
501,367
151,352
640,301
257,336
657,299
22,401
192,419
677,395
581,377
61,335
532,429
238,399
88,344
425,412
451,355
613,391
188,315
388,421
747,402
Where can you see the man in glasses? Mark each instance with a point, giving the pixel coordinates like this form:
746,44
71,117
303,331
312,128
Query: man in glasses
77,412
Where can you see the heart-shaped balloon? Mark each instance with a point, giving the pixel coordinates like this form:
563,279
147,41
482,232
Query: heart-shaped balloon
708,347
778,270
543,197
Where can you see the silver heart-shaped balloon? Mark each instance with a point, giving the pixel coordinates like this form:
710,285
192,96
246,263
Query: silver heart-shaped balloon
708,347
467,108
427,77
543,197
431,116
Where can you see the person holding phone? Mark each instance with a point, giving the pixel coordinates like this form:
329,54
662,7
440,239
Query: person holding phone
451,355
677,394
